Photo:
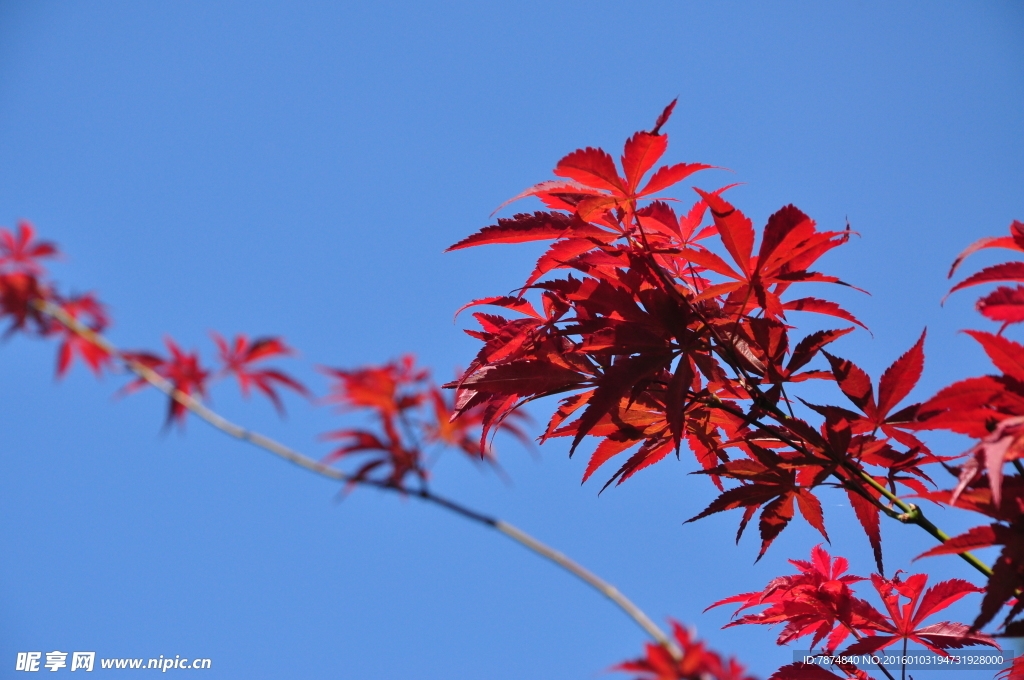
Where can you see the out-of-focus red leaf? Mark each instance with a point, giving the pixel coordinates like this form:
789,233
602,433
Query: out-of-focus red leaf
1004,444
18,291
22,252
87,310
696,662
389,389
464,431
239,356
181,369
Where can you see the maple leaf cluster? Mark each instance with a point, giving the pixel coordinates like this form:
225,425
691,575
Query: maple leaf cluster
695,662
820,602
22,286
185,372
412,415
659,338
659,331
990,409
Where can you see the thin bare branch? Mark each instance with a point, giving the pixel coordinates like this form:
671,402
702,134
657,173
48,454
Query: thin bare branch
293,456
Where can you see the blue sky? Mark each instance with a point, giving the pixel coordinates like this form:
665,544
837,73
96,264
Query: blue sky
275,169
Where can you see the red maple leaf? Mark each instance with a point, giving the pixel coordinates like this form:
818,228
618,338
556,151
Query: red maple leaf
389,392
1015,241
989,408
388,453
1007,577
88,310
22,253
896,383
777,481
977,497
389,389
601,203
18,291
239,356
818,602
1014,672
904,620
396,395
463,432
790,244
181,369
810,671
593,185
697,662
1003,304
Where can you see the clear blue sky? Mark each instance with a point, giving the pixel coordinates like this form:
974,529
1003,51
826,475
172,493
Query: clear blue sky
297,169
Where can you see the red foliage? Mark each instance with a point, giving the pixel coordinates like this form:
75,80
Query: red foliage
20,284
820,602
88,310
389,392
239,356
666,333
461,433
656,340
183,371
903,620
18,292
658,331
410,413
697,662
22,252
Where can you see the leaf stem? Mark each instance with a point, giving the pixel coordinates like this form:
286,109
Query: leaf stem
267,444
903,675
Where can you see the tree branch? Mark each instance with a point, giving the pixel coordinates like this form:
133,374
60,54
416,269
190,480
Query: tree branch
303,461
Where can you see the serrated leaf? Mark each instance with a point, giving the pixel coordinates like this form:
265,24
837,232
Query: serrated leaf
1007,271
901,377
1007,355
